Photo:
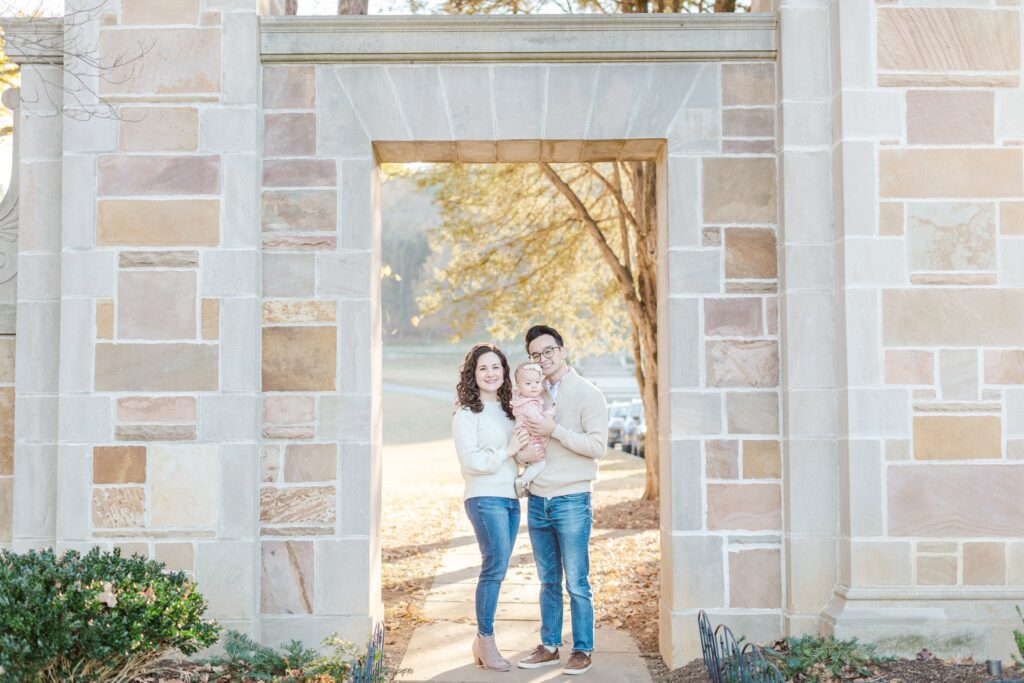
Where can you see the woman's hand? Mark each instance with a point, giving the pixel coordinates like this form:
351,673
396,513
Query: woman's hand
530,455
517,442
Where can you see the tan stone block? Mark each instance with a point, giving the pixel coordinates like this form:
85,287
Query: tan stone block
1011,218
748,84
270,463
104,319
939,117
300,210
119,508
289,87
168,12
952,236
734,317
956,279
739,190
159,129
286,577
936,570
957,437
156,367
904,366
185,486
177,61
7,349
121,175
1004,366
158,259
762,459
210,19
289,135
711,237
179,557
172,222
748,123
890,218
299,173
945,547
290,311
6,430
310,462
6,509
119,465
750,253
748,146
771,312
984,564
163,409
289,409
299,358
155,433
130,549
940,173
752,507
300,242
947,40
211,319
752,412
955,501
952,317
141,294
303,504
722,459
289,432
734,363
880,564
755,579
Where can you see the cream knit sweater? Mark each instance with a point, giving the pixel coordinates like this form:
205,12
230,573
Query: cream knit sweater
480,442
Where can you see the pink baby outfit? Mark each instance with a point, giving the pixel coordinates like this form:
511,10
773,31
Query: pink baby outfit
523,408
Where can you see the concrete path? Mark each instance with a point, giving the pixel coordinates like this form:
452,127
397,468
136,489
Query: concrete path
440,651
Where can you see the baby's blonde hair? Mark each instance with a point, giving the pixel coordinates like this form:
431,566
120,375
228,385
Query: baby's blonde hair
528,366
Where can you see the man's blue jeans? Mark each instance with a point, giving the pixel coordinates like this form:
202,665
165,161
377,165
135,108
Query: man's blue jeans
496,523
560,534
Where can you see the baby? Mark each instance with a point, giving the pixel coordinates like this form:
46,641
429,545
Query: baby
528,401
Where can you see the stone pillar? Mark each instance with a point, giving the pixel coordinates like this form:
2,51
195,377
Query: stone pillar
808,312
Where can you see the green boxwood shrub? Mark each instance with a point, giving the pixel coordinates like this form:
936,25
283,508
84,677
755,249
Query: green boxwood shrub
93,617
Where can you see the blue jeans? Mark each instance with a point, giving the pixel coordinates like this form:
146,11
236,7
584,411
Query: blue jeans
496,524
560,533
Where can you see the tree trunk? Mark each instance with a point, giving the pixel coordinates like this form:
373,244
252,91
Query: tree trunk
291,7
725,5
353,6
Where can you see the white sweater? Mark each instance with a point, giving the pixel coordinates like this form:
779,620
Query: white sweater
480,442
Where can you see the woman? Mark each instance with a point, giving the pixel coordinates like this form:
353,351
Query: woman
487,444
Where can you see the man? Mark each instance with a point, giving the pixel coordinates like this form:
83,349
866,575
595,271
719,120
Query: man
559,510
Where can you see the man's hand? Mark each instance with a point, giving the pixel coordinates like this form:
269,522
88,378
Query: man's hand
540,426
530,454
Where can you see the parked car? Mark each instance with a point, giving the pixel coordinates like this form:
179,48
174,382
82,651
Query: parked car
616,421
637,437
633,419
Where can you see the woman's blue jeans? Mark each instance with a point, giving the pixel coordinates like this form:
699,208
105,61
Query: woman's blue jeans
496,523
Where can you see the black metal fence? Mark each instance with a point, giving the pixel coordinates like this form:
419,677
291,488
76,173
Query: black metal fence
728,662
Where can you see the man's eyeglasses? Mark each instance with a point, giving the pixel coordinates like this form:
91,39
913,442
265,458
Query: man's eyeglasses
547,353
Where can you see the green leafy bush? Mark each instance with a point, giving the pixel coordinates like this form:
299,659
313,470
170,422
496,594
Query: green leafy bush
814,658
1018,637
97,617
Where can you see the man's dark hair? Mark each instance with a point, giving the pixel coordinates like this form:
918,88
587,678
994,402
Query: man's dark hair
540,331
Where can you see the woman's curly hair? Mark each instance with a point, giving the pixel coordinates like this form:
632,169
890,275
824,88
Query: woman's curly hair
467,393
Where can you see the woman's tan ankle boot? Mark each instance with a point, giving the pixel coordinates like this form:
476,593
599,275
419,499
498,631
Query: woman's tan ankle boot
485,654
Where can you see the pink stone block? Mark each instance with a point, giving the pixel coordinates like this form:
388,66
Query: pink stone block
289,135
755,579
736,363
909,367
163,409
289,410
155,175
299,173
732,317
751,507
948,501
1004,367
175,61
142,294
289,87
937,117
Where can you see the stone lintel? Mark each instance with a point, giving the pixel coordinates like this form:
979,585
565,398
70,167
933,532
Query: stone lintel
34,40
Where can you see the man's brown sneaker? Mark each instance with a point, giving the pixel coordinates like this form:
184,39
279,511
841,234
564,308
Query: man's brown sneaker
579,663
540,656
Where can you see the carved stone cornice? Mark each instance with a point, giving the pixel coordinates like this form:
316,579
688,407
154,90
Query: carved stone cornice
530,38
38,40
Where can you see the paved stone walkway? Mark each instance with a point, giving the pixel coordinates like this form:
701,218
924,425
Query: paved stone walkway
440,651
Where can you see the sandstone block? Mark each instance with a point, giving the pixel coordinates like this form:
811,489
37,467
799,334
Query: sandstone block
288,409
119,465
952,317
722,459
164,409
185,485
984,564
938,40
149,12
310,462
156,367
289,135
952,236
300,242
880,563
179,557
958,374
957,437
739,189
940,173
173,222
121,175
905,366
752,412
762,460
1011,218
755,579
890,218
944,501
159,259
299,173
7,359
119,508
752,507
299,311
104,319
6,430
155,433
303,505
299,358
286,577
748,123
734,317
1004,366
270,463
289,87
6,509
732,363
750,253
178,61
937,117
748,84
300,210
210,319
159,129
173,293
